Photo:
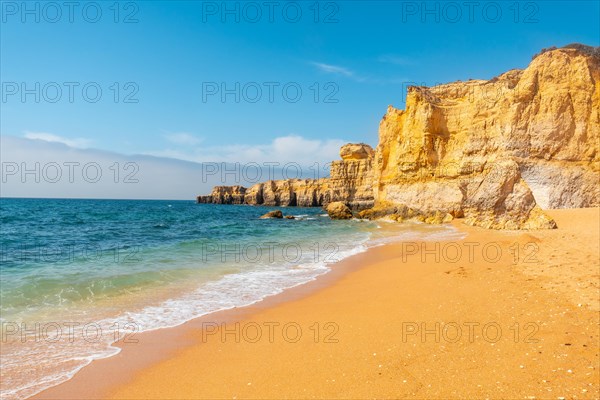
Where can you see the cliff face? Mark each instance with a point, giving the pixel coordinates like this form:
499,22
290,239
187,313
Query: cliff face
350,181
351,178
224,195
487,150
291,192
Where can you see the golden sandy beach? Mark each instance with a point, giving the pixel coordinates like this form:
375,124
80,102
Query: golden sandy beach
500,314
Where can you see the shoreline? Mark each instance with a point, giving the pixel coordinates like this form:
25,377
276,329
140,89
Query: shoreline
168,340
140,369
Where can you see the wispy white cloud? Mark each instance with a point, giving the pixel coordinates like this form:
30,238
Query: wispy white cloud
394,59
333,69
284,149
364,78
183,138
79,143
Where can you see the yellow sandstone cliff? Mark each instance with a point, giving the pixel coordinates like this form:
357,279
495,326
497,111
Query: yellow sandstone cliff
487,150
350,181
494,152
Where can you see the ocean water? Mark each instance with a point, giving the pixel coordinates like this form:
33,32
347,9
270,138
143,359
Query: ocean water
79,275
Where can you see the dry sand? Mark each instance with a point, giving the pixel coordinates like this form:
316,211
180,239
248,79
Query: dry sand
400,321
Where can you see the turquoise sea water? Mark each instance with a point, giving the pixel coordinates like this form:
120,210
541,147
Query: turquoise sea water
78,275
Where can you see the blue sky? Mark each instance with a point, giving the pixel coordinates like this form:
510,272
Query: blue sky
360,55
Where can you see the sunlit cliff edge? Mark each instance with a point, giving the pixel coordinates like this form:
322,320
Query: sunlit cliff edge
493,152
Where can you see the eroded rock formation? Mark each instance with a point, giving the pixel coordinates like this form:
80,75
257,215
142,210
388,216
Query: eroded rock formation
339,210
351,178
490,151
224,195
486,150
350,181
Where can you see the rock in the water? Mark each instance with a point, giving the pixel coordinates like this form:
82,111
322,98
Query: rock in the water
290,217
338,210
273,214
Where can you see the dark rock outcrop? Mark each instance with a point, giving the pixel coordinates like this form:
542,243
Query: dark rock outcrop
272,214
